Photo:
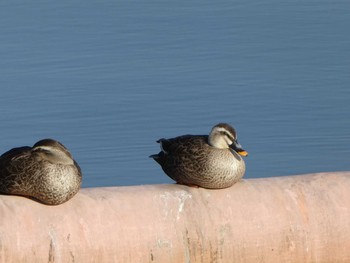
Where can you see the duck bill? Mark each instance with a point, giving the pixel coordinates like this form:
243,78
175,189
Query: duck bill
238,148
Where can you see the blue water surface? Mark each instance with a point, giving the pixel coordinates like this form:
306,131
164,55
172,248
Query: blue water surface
108,79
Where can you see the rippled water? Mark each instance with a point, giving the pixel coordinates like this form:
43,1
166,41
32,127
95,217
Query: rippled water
109,79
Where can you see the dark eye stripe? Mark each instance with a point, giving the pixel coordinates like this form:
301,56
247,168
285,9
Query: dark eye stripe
228,135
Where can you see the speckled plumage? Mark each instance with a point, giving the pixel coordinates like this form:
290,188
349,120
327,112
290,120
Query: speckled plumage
192,160
45,172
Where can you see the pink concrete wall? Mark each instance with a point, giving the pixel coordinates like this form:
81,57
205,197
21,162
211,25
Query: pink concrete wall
282,219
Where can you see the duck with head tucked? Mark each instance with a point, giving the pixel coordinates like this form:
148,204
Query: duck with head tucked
45,172
212,161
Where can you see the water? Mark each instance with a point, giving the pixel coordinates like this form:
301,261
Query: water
109,79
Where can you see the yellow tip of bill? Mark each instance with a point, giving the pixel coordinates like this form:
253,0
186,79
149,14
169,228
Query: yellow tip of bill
243,153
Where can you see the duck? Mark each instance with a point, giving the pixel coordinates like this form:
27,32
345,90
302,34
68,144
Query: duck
45,172
211,161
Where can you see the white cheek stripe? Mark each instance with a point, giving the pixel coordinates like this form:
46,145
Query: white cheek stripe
220,129
47,148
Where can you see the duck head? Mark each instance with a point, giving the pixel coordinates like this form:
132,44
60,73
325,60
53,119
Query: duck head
224,136
53,151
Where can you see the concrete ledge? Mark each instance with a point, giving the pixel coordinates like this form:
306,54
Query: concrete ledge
283,219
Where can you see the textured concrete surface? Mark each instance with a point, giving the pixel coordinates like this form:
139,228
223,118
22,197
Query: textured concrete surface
282,219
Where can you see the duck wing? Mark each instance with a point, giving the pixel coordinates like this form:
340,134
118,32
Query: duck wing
15,153
12,156
186,144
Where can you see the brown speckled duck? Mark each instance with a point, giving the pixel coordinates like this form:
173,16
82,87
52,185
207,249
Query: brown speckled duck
212,161
45,172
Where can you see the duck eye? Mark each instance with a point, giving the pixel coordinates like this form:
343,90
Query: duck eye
47,152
